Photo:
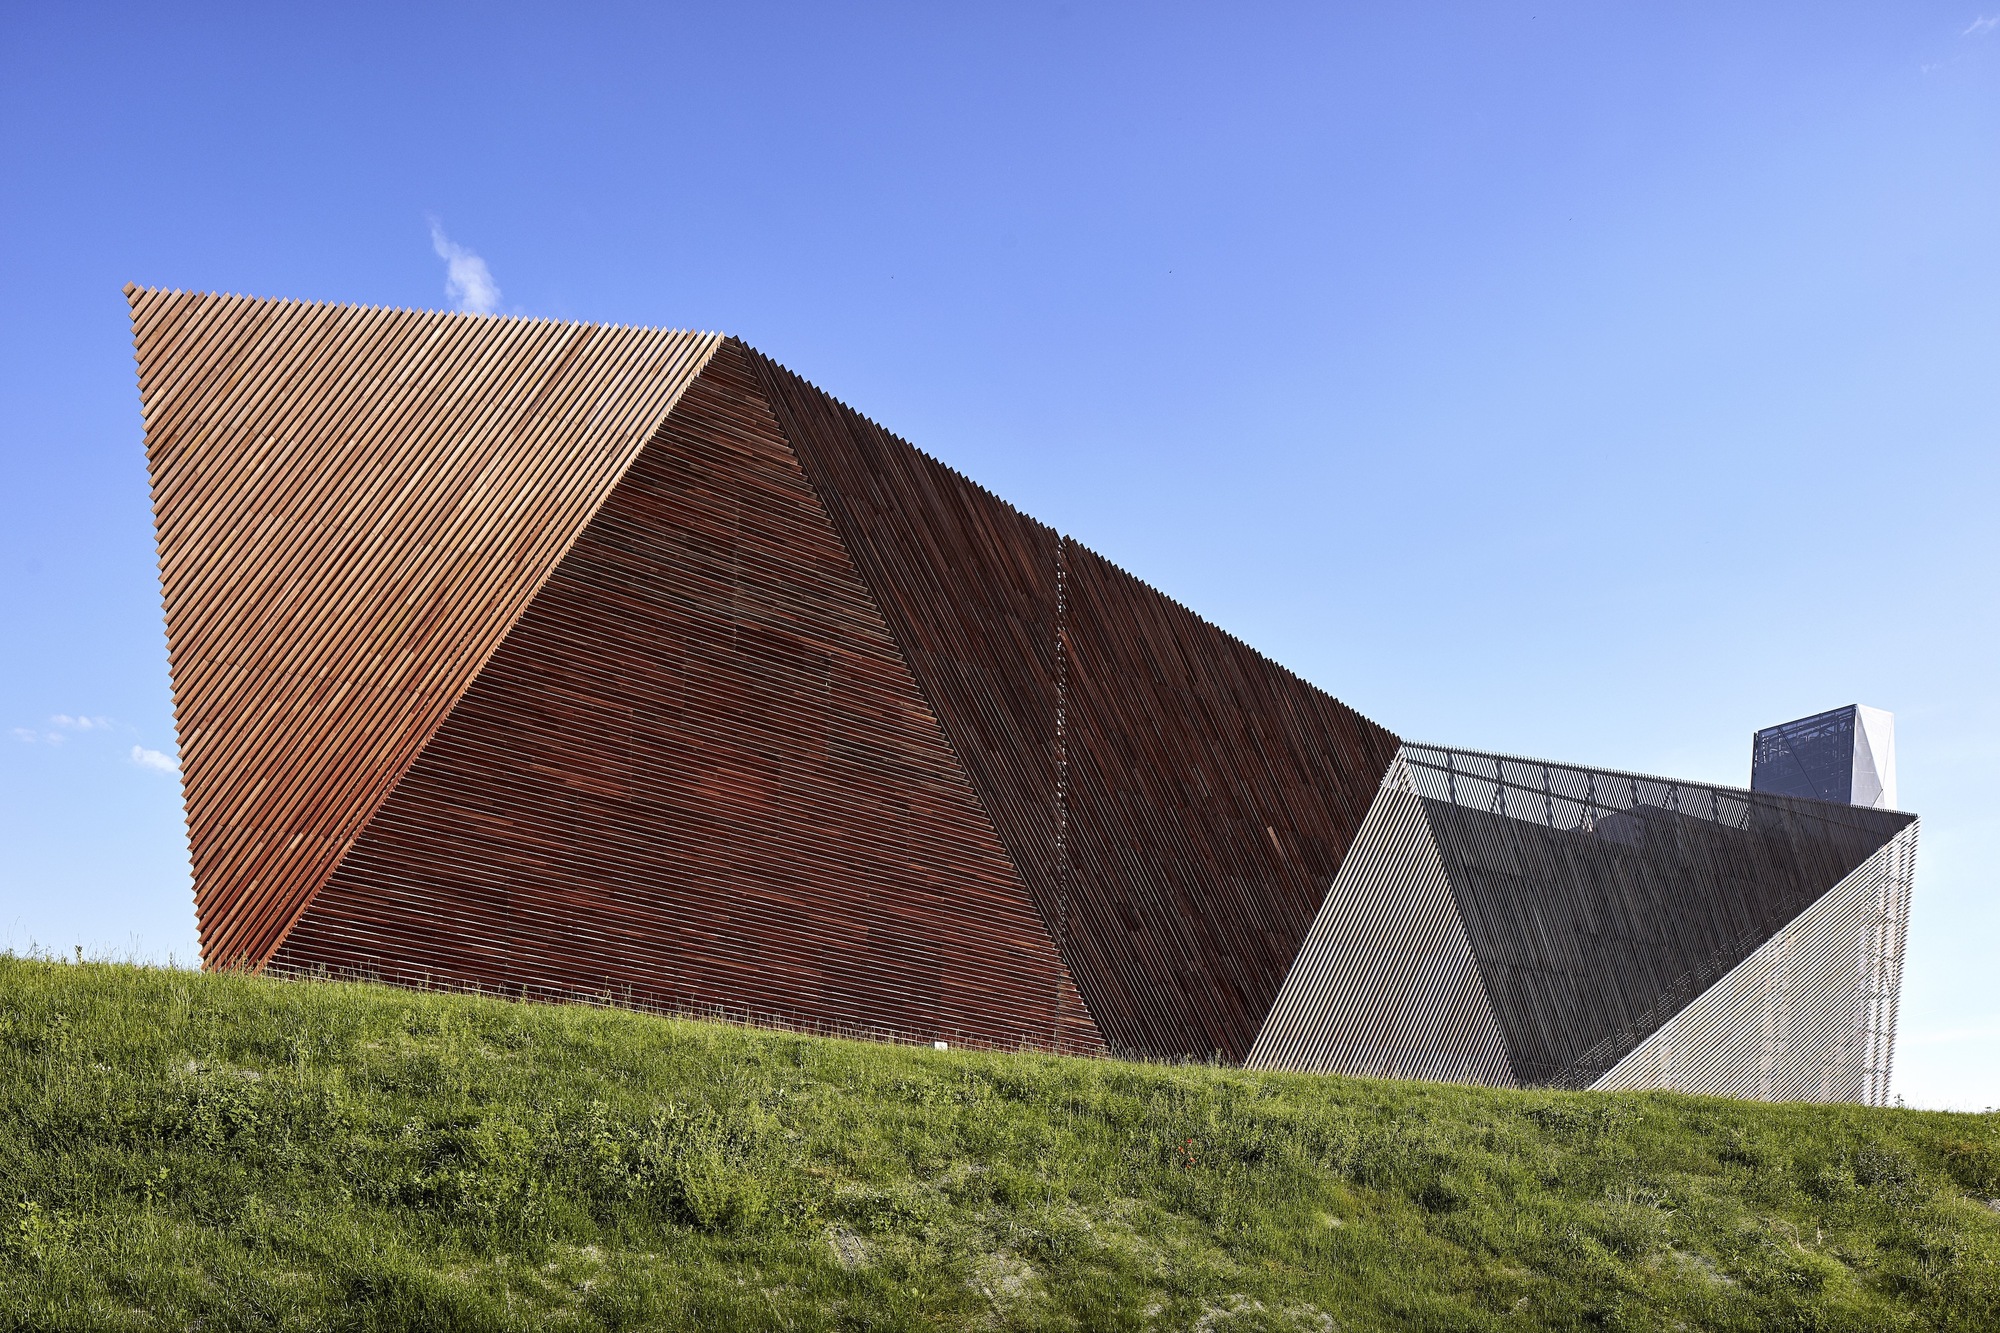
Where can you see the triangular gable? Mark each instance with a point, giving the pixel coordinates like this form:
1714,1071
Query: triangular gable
1599,903
352,507
697,775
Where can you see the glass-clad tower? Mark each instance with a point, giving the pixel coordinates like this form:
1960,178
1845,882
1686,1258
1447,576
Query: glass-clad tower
1846,755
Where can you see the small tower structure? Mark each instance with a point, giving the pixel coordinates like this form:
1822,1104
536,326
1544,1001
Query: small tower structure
1846,755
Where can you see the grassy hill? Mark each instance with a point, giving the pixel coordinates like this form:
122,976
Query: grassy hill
224,1152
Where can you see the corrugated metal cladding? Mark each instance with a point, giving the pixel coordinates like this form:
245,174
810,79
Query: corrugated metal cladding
621,664
1596,906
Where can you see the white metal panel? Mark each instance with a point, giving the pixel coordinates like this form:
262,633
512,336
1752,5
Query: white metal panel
1874,758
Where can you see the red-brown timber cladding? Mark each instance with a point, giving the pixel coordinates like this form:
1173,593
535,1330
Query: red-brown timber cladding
1210,794
968,584
352,507
698,774
1212,797
991,753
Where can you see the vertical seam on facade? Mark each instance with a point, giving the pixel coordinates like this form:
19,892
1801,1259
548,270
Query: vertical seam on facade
1062,753
763,367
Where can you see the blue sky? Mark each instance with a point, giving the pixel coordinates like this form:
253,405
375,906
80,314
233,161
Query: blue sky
1598,382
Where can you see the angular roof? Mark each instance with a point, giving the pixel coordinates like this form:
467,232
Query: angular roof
353,506
400,550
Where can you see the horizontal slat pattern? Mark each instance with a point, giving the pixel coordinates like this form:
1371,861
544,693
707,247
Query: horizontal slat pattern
352,506
697,775
1176,802
1808,1016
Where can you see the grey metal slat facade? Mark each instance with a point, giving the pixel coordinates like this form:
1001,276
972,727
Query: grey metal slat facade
1599,910
1808,1016
1386,985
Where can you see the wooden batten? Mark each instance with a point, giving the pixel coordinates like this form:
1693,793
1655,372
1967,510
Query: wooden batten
352,507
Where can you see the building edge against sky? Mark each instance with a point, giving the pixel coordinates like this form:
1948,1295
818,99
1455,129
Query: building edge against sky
1844,754
617,664
1431,955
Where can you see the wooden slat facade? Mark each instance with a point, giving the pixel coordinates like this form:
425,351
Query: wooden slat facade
352,508
968,585
1177,802
620,664
697,775
1212,797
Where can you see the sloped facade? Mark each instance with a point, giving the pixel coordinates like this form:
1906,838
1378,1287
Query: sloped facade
577,662
1512,921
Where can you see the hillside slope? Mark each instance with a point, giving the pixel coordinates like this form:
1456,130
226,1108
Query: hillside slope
225,1152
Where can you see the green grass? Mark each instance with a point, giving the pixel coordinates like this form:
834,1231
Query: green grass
223,1152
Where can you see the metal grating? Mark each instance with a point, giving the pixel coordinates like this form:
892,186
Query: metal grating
1600,903
1813,756
1810,1015
1506,920
1386,985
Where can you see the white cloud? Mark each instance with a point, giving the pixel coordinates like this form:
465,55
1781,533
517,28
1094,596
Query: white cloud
154,759
468,283
68,723
1981,26
26,735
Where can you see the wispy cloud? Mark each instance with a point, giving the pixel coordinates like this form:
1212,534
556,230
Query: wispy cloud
59,724
468,283
145,758
1981,26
